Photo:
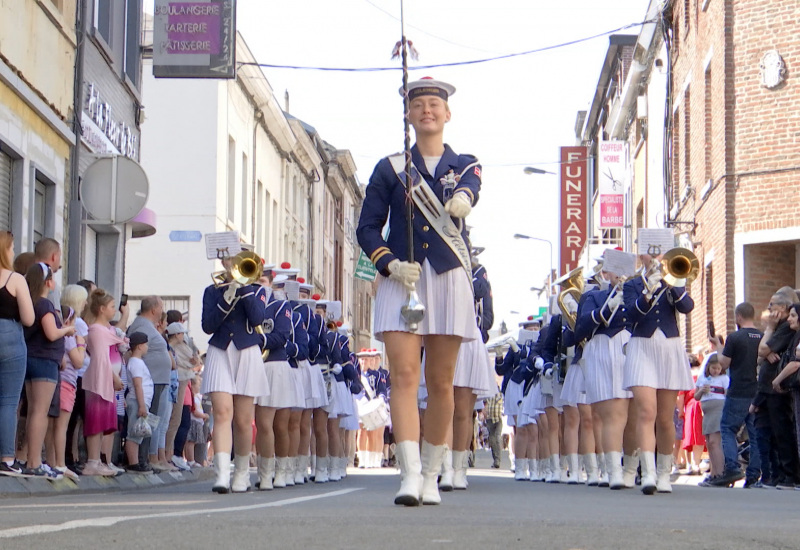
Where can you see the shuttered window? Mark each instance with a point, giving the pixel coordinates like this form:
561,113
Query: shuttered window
5,192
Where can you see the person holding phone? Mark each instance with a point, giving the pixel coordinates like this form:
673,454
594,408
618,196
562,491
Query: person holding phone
711,389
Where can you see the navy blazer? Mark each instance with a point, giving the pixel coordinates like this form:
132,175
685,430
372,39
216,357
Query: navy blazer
506,366
386,198
661,314
226,323
275,338
352,378
323,352
297,347
591,315
552,342
483,295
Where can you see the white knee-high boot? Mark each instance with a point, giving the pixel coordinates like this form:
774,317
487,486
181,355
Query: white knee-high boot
266,469
222,462
409,461
614,469
574,470
241,474
647,460
446,481
663,471
460,464
590,465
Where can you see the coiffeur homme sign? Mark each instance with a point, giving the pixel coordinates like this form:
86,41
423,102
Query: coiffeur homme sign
574,183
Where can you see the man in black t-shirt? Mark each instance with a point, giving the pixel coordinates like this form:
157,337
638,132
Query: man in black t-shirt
739,357
775,409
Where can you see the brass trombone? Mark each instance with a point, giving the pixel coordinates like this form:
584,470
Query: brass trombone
678,263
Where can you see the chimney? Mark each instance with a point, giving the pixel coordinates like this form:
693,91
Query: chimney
286,101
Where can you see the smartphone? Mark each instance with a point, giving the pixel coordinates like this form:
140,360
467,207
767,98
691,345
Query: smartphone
123,300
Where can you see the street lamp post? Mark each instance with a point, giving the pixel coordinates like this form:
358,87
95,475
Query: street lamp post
533,170
550,272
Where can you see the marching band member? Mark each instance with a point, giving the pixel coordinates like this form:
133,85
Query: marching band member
234,373
603,321
349,414
277,336
336,404
349,425
320,414
656,367
442,281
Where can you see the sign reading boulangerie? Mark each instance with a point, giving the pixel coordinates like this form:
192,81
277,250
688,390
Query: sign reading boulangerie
611,165
194,39
574,183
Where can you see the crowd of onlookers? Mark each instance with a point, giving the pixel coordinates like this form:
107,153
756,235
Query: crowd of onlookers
82,390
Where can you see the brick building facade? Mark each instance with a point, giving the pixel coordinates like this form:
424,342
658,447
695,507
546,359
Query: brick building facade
735,152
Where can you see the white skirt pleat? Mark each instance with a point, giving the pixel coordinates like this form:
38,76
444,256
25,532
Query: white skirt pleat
349,422
286,387
448,300
530,402
573,392
473,368
314,385
511,398
605,367
542,401
341,403
657,362
234,371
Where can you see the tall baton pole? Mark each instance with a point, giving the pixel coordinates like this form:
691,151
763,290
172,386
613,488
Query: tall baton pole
413,311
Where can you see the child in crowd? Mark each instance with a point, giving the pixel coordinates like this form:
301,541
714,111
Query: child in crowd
197,432
101,381
73,300
45,342
711,388
140,397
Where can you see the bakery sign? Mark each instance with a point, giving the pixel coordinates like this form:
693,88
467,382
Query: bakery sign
194,39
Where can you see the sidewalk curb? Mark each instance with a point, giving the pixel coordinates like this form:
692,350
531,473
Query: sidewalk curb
14,487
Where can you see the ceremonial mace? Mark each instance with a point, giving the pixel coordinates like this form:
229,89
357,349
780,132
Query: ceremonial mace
413,311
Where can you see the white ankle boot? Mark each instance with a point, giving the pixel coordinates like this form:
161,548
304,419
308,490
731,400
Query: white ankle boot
302,468
362,459
614,469
333,469
573,470
630,467
409,462
432,456
521,469
291,465
555,468
533,469
446,481
460,465
266,469
241,474
546,470
281,467
590,465
663,471
222,462
647,461
321,470
603,471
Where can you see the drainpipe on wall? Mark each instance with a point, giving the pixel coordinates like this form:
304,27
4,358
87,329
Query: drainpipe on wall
74,244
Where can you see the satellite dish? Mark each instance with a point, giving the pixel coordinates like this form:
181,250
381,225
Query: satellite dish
114,189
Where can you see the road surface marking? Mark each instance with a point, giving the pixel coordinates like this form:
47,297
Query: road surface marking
106,504
113,520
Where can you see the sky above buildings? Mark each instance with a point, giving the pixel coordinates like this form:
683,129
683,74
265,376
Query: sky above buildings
510,113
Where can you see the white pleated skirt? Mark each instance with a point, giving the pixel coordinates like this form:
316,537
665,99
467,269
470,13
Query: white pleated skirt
605,367
473,368
286,387
448,300
341,402
527,409
657,362
349,422
573,392
542,401
512,397
235,371
313,385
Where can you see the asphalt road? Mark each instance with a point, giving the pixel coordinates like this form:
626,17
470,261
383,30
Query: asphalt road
495,512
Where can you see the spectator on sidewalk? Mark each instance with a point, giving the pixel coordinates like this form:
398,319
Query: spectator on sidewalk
494,424
16,311
139,399
198,432
711,388
790,363
48,252
159,362
186,363
739,358
776,408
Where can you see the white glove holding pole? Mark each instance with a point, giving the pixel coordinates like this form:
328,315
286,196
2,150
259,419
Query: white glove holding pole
406,273
459,206
538,363
337,368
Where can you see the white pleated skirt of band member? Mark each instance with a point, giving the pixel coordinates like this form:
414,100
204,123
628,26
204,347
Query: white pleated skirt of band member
657,362
473,369
605,367
235,371
286,389
512,398
448,300
573,391
314,385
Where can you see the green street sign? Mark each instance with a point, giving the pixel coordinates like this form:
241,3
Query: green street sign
542,311
365,270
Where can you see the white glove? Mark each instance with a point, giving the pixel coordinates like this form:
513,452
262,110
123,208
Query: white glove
654,279
459,206
538,363
513,344
615,301
230,292
571,303
406,273
337,368
679,283
548,373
